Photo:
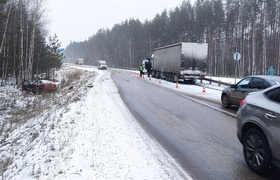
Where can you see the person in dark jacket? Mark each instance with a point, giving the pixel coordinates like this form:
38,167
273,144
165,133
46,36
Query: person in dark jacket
148,67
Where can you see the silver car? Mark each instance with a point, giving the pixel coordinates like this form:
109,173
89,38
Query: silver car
258,129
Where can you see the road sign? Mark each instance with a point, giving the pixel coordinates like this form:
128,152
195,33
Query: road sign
61,50
236,56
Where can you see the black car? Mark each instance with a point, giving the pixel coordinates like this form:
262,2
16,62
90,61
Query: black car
235,93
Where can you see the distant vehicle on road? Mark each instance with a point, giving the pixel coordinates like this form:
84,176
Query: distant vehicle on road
102,65
80,61
39,86
258,129
235,93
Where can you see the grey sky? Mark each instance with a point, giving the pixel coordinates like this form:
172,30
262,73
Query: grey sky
77,20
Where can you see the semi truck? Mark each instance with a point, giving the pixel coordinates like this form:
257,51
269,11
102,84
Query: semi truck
180,62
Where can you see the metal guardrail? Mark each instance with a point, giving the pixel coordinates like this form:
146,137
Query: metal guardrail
214,81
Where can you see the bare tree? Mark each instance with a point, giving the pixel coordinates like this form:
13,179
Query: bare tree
36,15
3,40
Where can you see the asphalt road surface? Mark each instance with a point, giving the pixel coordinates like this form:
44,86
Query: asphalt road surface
202,139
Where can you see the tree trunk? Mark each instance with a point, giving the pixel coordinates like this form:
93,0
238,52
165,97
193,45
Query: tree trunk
21,66
3,41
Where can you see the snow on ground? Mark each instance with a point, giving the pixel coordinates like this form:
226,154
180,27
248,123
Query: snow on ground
84,132
91,136
212,91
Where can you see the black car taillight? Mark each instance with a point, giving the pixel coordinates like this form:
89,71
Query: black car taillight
242,102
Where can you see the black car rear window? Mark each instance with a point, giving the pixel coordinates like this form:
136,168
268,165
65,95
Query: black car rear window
273,94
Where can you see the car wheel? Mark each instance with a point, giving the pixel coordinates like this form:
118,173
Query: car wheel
225,101
256,152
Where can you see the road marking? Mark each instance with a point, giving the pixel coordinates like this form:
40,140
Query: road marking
200,102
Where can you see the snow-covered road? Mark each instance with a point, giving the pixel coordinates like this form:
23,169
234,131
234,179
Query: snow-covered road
94,138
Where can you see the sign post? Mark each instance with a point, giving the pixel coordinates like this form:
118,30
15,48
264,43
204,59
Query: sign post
236,57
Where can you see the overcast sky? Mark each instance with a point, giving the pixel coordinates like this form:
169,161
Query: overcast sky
78,20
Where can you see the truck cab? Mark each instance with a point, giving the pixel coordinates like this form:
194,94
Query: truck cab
144,62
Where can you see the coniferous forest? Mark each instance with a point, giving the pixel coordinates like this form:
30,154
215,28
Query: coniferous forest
250,27
24,52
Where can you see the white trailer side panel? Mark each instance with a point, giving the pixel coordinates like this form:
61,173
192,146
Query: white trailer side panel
168,59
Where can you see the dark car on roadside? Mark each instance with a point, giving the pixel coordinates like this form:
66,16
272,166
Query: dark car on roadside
258,129
39,86
235,93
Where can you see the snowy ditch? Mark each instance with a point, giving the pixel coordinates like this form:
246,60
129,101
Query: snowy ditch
83,131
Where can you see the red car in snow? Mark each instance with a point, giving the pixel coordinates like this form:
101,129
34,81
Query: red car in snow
39,86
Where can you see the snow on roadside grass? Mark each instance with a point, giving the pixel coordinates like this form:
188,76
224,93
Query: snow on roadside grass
93,137
25,119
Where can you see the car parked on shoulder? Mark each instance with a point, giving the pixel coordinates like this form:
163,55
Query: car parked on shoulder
235,93
258,129
39,86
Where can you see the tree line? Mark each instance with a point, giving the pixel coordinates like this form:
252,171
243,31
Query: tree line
24,52
250,27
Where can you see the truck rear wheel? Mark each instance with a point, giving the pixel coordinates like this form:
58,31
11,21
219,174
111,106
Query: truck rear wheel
158,75
169,77
175,78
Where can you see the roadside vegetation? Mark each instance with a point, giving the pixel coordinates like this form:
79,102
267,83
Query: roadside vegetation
17,107
25,53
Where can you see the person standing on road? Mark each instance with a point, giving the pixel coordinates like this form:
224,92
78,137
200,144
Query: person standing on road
148,66
271,71
141,70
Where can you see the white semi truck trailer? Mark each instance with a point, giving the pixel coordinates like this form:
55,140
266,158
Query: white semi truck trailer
180,62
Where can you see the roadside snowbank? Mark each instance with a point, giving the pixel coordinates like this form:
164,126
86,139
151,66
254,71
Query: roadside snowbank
94,137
